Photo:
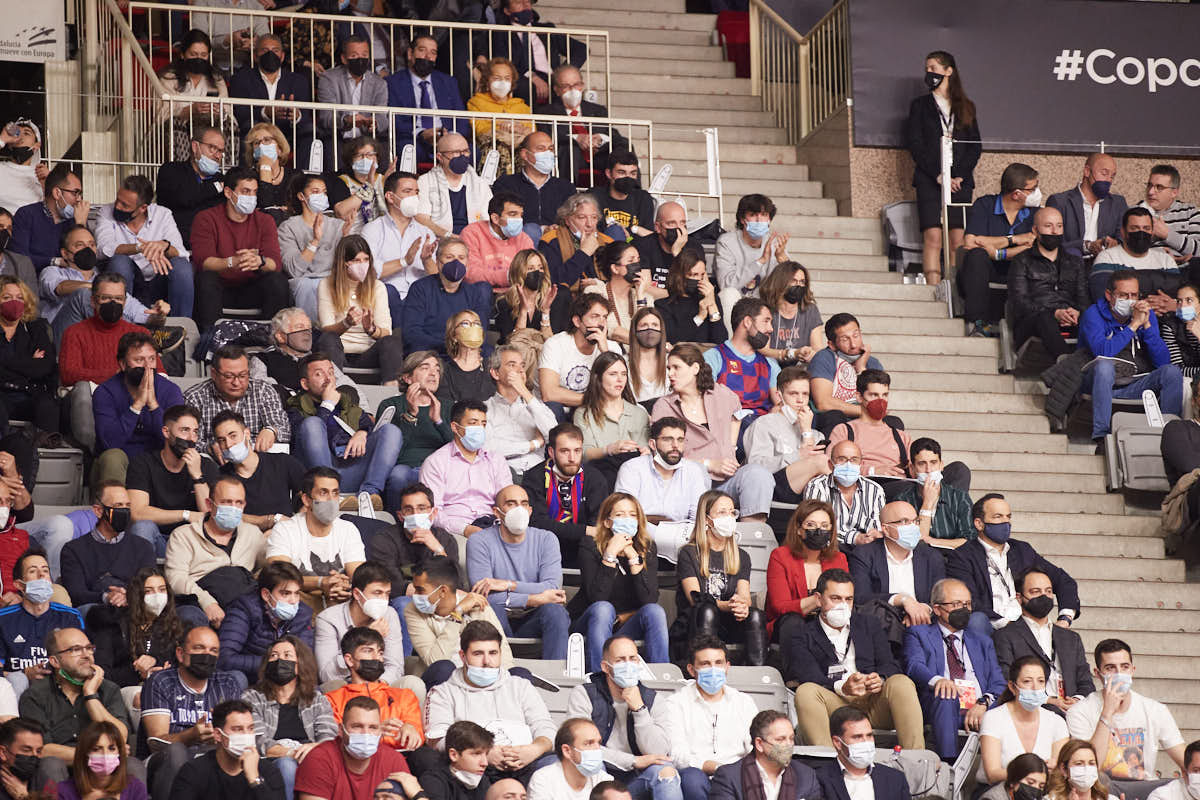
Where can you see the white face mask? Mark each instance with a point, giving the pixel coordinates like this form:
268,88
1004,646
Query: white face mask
238,743
468,779
4,512
1193,784
516,519
376,607
408,205
155,602
1084,776
1034,198
838,616
724,526
572,98
500,88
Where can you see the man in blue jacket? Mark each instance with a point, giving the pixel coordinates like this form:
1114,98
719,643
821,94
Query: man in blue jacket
771,759
1122,332
256,619
422,86
854,741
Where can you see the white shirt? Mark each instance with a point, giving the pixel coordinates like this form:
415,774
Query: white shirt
770,787
1175,790
512,426
388,243
315,555
550,783
998,724
1155,258
843,648
858,788
673,498
1091,219
272,85
1004,595
900,574
560,354
159,225
1146,725
541,62
708,731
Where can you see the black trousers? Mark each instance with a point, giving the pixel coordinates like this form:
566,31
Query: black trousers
267,290
1043,325
976,272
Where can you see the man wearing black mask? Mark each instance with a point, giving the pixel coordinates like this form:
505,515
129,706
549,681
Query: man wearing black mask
1158,274
266,79
422,86
22,771
1047,287
668,241
97,566
1091,211
177,704
350,83
623,201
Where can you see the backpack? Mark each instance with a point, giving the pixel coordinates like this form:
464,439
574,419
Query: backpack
896,425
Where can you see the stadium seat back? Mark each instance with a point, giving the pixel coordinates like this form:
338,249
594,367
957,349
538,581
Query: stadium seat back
1133,454
758,540
60,477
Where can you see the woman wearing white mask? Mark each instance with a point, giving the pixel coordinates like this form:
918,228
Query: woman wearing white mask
100,767
1019,723
266,151
618,593
496,97
713,596
352,310
1076,775
360,193
308,238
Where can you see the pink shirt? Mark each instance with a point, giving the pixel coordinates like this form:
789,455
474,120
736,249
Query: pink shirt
880,456
463,491
489,255
714,442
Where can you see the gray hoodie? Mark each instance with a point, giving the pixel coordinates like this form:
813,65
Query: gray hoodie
510,708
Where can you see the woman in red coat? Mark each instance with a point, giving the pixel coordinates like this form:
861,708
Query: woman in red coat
809,549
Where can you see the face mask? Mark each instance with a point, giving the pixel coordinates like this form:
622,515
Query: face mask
202,665
5,514
665,464
424,604
757,229
1038,607
370,669
543,162
326,511
516,519
817,539
625,185
512,226
24,766
1122,681
362,745
933,80
155,602
85,258
266,150
649,338
269,61
846,474
876,409
483,676
758,340
908,536
300,341
590,762
1032,699
1026,792
111,312
500,88
474,436
246,203
5,237
238,453
998,532
206,165
1101,189
794,294
422,67
691,286
67,212
454,270
1084,777
1138,242
1034,198
626,674
134,376
196,66
358,66
710,679
180,446
925,477
362,166
958,618
21,155
418,522
533,280
861,754
625,526
357,270
1123,307
1193,780
375,608
1186,313
1049,241
724,526
118,518
104,763
227,517
38,591
468,779
460,164
572,98
838,616
12,310
408,205
670,235
238,743
317,203
121,215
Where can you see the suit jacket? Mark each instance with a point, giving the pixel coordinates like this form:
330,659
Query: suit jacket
1070,205
1015,640
509,42
336,86
741,780
400,94
810,654
889,783
923,137
925,658
14,263
248,82
968,563
565,142
869,567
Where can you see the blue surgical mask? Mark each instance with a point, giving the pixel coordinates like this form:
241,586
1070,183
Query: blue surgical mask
513,226
1121,681
543,162
362,166
1186,313
266,150
246,203
286,612
908,536
237,454
207,166
38,591
1123,307
757,228
483,676
710,679
473,437
591,762
626,526
227,517
998,532
317,203
418,522
68,212
362,745
626,674
423,604
1032,699
847,474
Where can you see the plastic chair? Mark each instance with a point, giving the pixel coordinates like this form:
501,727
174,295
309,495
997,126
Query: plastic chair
1132,454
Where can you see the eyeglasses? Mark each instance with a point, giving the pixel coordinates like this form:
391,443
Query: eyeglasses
909,521
825,528
453,153
234,376
1159,187
75,192
955,605
78,649
839,460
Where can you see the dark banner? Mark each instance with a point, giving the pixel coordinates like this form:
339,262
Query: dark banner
1056,74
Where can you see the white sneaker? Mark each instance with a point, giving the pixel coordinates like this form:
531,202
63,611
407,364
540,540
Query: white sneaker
365,509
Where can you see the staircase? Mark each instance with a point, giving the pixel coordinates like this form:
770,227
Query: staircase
665,68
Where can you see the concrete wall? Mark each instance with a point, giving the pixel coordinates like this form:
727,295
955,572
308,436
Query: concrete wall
827,153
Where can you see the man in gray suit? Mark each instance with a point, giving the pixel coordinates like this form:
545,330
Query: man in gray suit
353,83
14,263
1091,212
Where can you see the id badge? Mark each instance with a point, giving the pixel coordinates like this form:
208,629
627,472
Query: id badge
835,672
968,693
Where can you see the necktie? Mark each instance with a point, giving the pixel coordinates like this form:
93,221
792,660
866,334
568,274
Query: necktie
955,664
426,122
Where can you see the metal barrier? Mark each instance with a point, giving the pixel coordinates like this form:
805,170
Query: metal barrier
803,79
310,42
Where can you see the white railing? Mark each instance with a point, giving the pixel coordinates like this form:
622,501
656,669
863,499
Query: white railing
803,79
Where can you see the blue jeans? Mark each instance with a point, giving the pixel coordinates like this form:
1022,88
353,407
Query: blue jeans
51,534
395,306
150,532
177,287
646,785
367,473
1166,382
695,783
398,480
400,603
752,488
287,770
550,623
599,621
305,291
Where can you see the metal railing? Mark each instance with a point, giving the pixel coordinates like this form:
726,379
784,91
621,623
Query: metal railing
802,79
310,42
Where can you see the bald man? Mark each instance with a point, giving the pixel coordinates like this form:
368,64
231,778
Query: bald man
900,569
507,789
1091,212
452,195
856,500
669,239
1047,287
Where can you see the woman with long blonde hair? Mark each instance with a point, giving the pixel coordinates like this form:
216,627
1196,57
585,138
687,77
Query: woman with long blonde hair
532,302
618,593
713,595
465,376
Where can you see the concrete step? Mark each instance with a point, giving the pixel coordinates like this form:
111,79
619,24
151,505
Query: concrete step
1120,621
1056,501
731,154
642,95
900,363
923,345
933,423
1005,482
748,177
1133,594
705,91
1052,545
985,441
1178,643
970,403
629,39
833,273
669,50
622,64
1054,464
932,381
667,21
1128,569
847,261
817,244
687,116
904,325
1099,525
898,291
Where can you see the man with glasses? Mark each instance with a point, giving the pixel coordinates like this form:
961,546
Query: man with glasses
230,387
1131,357
189,187
1176,223
452,195
900,569
856,499
38,227
581,144
956,672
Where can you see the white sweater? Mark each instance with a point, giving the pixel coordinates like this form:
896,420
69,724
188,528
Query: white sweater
708,731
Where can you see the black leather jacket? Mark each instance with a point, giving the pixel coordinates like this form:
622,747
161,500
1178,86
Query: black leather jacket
1038,284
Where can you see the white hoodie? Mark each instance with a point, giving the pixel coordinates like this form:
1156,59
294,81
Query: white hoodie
510,708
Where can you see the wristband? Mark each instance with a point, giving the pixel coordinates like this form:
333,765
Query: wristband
635,561
925,513
1002,254
312,246
229,263
88,697
715,316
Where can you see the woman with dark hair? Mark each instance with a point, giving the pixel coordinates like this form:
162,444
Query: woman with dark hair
690,307
192,74
100,767
358,191
945,110
308,238
808,549
648,354
29,369
353,313
291,716
1019,723
613,424
532,302
745,256
620,269
135,639
796,332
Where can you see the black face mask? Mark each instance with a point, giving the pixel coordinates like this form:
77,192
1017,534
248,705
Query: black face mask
533,280
1039,606
20,154
196,66
1138,242
958,618
758,340
691,286
625,185
1026,792
933,80
370,669
202,665
85,259
5,236
522,17
280,671
269,61
121,215
358,66
118,518
24,767
111,312
670,235
422,67
794,294
1050,241
135,375
817,539
181,446
649,338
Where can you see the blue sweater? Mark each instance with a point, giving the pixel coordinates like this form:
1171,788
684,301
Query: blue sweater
1105,336
429,306
118,426
36,234
249,629
535,564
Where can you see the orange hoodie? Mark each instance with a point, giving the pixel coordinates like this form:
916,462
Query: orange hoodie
394,703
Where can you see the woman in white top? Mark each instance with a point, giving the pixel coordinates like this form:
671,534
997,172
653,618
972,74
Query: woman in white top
352,310
648,355
1019,724
620,269
193,75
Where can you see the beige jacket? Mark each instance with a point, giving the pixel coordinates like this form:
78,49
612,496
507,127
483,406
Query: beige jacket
191,556
431,646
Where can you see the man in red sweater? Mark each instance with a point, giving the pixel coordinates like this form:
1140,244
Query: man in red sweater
89,348
235,252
